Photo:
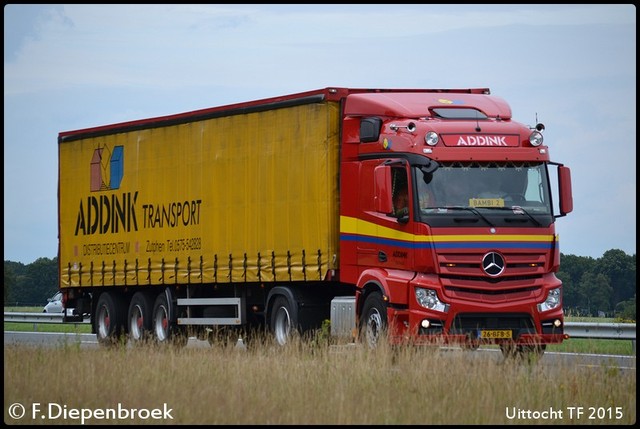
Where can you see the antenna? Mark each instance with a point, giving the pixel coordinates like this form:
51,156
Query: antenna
539,125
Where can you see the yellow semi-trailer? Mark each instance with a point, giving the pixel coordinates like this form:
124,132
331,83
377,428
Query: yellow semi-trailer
199,215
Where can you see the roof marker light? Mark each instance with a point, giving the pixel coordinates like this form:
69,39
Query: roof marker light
536,138
431,138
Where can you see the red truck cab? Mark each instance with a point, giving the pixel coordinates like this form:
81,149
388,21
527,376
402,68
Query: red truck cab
472,259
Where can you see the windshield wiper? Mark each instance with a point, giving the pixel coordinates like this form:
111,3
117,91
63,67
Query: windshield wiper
471,209
515,210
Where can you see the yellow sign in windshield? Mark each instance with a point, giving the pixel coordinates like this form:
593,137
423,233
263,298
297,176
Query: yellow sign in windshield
486,202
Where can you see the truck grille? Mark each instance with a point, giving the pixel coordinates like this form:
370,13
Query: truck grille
463,277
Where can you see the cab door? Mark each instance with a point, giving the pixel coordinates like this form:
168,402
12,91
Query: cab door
386,215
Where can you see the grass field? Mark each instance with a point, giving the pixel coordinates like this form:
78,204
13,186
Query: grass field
307,383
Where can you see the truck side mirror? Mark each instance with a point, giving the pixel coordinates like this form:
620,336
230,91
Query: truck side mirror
566,196
370,129
382,192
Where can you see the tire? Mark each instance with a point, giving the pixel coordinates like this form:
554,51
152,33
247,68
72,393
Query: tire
109,321
284,320
164,330
139,318
373,323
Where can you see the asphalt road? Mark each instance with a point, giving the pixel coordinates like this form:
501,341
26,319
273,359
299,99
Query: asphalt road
88,341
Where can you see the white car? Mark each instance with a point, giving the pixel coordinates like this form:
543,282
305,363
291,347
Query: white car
54,305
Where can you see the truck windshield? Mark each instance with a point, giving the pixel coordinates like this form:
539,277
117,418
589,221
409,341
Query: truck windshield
495,193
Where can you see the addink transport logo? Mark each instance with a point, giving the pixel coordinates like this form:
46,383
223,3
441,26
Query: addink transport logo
104,213
111,170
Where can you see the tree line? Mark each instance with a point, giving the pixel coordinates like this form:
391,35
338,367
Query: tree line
605,286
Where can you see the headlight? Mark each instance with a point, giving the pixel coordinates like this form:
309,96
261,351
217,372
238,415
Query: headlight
553,300
428,298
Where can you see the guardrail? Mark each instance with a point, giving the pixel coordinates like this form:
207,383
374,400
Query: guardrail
37,318
595,330
611,331
606,331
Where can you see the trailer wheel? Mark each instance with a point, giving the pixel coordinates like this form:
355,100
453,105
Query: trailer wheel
373,324
139,317
165,331
109,322
284,323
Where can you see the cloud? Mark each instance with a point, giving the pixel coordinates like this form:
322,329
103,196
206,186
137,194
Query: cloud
572,67
162,46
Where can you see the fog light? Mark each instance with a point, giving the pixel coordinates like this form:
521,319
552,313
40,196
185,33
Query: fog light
557,323
425,324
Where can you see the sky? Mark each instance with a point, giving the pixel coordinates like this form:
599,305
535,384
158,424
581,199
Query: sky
571,67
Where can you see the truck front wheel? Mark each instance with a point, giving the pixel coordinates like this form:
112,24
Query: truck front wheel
109,322
284,320
373,323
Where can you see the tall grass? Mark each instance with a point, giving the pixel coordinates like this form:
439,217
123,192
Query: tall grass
309,382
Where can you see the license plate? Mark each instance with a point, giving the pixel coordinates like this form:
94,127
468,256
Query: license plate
494,333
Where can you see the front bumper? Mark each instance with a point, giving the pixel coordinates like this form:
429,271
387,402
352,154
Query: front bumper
476,328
